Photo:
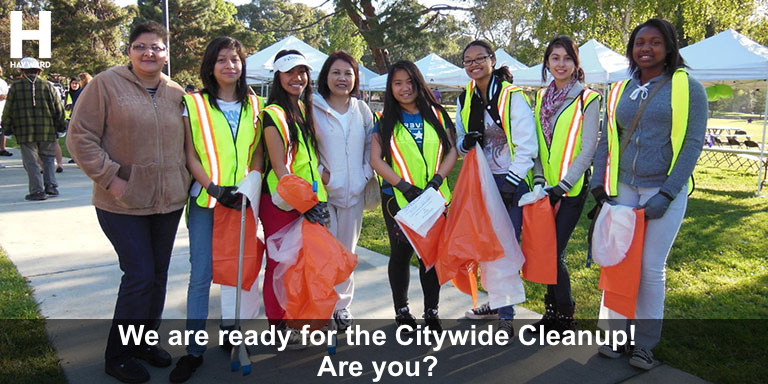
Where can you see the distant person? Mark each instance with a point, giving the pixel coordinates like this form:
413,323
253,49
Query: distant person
71,97
34,114
189,89
438,97
652,166
3,96
128,137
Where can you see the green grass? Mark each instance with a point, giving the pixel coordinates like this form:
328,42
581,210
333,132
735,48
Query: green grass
25,354
716,270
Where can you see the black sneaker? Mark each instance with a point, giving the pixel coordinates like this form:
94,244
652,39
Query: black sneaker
37,196
184,368
5,153
129,372
642,358
608,351
505,325
59,169
155,355
432,320
403,317
52,191
482,312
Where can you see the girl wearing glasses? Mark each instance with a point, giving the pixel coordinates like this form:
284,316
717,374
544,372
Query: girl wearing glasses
343,125
412,149
567,122
496,114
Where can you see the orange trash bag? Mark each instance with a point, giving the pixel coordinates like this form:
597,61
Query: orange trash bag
294,191
621,281
479,235
539,241
225,245
426,247
311,262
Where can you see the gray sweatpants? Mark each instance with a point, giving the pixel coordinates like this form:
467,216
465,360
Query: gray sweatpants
46,150
660,234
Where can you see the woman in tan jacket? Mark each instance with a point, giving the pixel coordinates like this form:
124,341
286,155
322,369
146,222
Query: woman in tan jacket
127,135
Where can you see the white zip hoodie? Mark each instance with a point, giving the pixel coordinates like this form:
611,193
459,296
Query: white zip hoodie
344,151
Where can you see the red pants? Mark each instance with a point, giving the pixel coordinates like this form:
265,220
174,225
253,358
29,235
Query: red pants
272,220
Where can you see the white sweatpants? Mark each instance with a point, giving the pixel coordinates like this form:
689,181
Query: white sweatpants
345,226
660,234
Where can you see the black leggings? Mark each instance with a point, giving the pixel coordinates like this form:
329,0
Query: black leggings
565,222
399,258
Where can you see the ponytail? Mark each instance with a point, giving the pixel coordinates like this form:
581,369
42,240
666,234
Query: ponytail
502,73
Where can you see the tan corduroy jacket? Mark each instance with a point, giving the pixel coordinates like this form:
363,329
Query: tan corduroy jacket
117,129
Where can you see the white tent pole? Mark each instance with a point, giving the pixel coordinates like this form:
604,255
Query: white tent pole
762,146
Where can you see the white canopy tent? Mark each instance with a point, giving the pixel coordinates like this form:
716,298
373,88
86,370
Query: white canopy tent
601,65
259,65
504,58
438,73
734,59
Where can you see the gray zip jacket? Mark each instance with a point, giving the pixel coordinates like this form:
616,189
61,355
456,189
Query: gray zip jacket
648,155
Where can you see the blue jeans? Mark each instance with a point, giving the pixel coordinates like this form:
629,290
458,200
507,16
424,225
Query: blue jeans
143,245
200,226
515,213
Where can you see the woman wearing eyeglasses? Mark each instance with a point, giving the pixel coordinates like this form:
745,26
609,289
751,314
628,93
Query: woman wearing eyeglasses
494,113
128,136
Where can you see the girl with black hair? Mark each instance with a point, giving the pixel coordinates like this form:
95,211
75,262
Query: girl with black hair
567,124
289,135
412,149
646,160
344,124
222,145
496,114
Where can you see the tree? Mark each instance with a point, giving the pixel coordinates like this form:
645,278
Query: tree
278,19
193,23
398,25
343,35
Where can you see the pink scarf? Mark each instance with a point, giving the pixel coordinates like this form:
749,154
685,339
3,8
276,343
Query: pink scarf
553,100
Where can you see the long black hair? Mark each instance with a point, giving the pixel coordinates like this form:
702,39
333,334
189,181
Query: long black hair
571,49
672,60
425,100
211,55
502,73
277,95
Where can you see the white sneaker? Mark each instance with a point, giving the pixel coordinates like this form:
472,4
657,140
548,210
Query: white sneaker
343,318
482,312
294,339
642,358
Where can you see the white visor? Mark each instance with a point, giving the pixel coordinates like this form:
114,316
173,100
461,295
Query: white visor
287,62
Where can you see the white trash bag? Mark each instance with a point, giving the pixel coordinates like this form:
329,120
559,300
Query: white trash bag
613,233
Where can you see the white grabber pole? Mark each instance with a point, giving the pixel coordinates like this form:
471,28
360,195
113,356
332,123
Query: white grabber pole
239,357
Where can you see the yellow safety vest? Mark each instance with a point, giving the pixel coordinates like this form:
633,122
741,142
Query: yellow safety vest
502,105
417,166
301,160
566,139
225,160
679,102
67,101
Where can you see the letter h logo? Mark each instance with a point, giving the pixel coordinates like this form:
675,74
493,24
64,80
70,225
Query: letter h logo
43,35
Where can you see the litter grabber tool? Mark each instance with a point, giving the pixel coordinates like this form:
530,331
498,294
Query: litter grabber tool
250,187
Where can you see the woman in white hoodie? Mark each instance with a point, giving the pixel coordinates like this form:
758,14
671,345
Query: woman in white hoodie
343,126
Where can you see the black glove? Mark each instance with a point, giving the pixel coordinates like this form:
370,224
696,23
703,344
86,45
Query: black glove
470,139
318,214
555,194
599,194
656,206
226,196
508,189
409,191
435,182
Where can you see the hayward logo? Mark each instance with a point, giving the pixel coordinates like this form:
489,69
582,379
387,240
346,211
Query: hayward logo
42,35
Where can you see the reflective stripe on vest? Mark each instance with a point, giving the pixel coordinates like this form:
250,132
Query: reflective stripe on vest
224,164
300,159
566,139
679,101
417,166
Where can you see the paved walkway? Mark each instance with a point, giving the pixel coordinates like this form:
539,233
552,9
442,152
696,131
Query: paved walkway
59,247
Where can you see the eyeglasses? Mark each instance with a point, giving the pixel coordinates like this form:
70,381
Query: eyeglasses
476,60
154,48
